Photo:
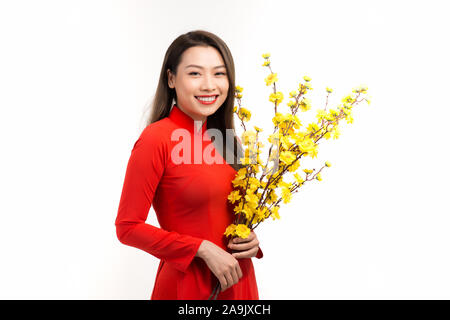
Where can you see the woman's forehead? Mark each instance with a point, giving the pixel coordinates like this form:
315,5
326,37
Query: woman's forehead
202,57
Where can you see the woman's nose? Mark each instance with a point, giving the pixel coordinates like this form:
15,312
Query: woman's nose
208,83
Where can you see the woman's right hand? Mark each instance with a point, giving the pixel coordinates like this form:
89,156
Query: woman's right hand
221,263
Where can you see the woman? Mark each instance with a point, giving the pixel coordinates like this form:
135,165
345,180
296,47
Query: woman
189,196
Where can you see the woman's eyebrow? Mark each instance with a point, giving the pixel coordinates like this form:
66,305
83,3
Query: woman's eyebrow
200,67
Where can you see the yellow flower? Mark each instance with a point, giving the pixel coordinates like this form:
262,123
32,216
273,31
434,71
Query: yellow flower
242,231
266,63
230,231
252,200
271,78
307,145
308,86
292,103
327,164
253,183
248,137
307,171
234,196
347,99
239,89
305,104
235,108
294,166
286,195
306,78
336,132
319,177
278,96
266,55
329,90
244,114
298,178
287,157
239,181
313,127
293,94
277,119
275,214
260,214
257,129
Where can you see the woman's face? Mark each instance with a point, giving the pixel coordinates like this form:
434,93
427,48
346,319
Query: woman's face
201,72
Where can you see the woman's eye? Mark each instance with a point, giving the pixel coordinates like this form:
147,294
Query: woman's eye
193,73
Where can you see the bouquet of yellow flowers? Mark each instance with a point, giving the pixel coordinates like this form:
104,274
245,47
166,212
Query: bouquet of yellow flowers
254,195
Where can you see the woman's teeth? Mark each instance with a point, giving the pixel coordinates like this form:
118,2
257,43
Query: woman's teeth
208,99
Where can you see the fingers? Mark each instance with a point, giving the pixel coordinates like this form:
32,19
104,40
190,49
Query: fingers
232,277
246,254
239,271
239,244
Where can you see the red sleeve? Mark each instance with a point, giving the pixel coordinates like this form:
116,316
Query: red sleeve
144,171
260,254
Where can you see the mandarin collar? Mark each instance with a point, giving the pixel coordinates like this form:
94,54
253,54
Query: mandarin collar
184,120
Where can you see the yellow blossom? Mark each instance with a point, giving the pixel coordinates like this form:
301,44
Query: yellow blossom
242,231
275,214
244,114
319,177
258,129
230,231
238,181
298,178
294,166
252,200
239,89
266,55
293,94
313,127
277,96
305,104
329,90
308,171
271,78
248,137
292,103
308,86
234,196
306,78
307,145
266,63
347,99
328,164
336,132
286,195
287,157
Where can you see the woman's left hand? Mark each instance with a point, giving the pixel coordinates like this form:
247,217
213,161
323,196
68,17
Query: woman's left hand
247,247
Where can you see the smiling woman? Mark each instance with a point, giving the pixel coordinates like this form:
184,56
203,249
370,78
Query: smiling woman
197,86
189,199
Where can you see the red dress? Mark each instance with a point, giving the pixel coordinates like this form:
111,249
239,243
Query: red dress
190,202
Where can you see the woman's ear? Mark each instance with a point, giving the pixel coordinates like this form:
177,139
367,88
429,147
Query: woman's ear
170,79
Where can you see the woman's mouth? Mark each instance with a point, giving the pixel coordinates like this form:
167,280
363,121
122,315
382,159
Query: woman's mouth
207,100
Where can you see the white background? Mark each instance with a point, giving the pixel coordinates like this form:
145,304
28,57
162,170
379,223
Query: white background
76,77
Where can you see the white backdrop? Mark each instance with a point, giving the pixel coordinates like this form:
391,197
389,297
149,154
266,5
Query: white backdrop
76,77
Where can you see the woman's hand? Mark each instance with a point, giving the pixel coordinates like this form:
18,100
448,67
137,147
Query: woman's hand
222,264
247,247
